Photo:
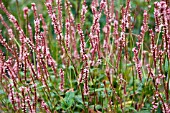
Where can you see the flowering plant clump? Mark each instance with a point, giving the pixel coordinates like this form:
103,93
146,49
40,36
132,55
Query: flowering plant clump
89,56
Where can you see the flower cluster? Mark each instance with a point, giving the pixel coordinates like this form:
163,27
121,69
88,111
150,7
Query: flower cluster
94,65
62,80
137,63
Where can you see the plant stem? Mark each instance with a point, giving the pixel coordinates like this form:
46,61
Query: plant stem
19,14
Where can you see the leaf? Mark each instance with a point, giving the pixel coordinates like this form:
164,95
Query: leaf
132,108
41,87
99,89
2,92
70,95
71,67
127,109
21,73
166,65
98,107
130,64
100,77
63,105
80,106
58,108
143,111
79,99
159,109
68,101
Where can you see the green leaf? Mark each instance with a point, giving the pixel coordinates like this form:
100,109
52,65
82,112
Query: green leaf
2,92
58,107
143,111
80,106
63,105
98,107
99,89
130,64
166,65
127,109
41,87
68,101
159,109
71,67
78,99
70,95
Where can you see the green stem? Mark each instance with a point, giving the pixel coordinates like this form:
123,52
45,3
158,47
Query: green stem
142,61
75,69
19,14
17,42
34,59
70,80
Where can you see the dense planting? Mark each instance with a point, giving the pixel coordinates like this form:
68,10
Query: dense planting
85,56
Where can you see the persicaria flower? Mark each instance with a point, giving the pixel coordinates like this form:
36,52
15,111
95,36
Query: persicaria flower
11,96
83,12
10,32
94,6
33,7
37,27
25,12
137,63
14,21
103,4
86,88
67,36
1,18
44,105
61,87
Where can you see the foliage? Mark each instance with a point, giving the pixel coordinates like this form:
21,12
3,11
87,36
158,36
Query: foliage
85,56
